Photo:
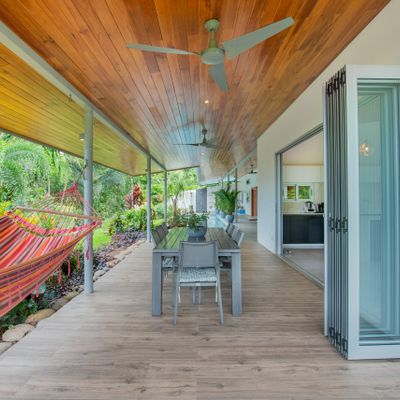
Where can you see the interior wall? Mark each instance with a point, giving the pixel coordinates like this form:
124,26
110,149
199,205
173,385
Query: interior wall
245,183
376,44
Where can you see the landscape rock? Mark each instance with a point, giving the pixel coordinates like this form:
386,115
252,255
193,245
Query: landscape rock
4,346
98,274
112,263
61,302
17,332
33,319
71,295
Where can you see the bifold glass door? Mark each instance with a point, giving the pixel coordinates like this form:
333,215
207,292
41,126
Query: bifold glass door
362,109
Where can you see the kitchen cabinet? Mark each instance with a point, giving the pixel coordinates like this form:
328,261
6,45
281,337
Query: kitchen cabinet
303,228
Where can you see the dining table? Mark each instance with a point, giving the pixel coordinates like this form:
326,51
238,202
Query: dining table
169,247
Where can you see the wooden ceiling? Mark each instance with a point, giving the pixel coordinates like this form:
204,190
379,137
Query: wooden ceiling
159,99
32,107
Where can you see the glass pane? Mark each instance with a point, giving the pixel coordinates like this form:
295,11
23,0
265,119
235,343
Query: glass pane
304,192
379,213
291,192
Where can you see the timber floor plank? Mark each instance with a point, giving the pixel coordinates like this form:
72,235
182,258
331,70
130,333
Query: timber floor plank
108,346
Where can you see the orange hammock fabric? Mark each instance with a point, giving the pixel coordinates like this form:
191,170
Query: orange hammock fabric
34,243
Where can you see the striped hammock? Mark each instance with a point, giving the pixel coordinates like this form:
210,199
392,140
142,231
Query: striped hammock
34,242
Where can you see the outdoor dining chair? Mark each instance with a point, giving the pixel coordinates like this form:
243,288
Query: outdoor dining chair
231,229
168,263
198,266
164,228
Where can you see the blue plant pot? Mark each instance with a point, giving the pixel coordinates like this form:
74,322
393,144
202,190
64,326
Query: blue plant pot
229,218
200,233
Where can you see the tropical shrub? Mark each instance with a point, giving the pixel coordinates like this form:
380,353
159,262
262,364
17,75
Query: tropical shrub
225,200
4,207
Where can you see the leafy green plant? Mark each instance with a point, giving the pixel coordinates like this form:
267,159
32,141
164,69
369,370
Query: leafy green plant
116,224
18,314
4,207
225,200
195,221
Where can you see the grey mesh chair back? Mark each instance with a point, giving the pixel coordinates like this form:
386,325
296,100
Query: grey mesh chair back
228,227
160,232
232,231
156,237
238,237
164,228
198,254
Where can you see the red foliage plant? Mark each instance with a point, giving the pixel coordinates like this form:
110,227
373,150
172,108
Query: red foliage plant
135,198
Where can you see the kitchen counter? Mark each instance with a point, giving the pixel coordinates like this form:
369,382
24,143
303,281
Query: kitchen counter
305,228
306,213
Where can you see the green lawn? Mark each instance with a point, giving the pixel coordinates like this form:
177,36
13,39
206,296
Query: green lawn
158,222
101,235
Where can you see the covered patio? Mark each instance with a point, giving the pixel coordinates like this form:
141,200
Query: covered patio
106,345
69,80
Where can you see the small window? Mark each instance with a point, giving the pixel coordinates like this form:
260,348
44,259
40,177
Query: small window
304,192
291,192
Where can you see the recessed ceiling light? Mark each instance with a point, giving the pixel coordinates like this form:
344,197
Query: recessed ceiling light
206,101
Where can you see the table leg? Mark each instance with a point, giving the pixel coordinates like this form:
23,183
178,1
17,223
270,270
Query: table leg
236,285
156,285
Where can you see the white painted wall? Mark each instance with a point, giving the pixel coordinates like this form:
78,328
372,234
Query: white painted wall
379,44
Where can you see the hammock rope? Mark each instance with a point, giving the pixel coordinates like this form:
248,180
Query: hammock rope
35,241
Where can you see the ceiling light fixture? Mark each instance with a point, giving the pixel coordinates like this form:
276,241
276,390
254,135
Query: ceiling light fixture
364,149
206,101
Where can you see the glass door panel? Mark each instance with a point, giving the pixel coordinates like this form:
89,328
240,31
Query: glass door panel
379,236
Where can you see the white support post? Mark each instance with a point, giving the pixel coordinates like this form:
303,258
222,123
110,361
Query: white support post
88,196
148,205
236,188
165,196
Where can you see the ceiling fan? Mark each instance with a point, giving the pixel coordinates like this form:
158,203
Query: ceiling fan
252,169
214,55
210,144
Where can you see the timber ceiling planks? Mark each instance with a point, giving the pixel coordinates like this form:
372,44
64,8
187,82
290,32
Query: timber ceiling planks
32,107
159,99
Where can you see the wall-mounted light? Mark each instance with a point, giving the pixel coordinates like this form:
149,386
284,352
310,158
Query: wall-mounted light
206,101
82,137
364,149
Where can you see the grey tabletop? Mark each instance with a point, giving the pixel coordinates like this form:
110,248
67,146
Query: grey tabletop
177,235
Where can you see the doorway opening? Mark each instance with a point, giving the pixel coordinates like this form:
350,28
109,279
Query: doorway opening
300,182
254,204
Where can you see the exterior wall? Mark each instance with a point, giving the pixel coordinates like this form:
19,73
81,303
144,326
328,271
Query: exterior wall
377,44
187,200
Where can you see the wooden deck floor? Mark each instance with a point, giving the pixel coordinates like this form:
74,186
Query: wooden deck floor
107,345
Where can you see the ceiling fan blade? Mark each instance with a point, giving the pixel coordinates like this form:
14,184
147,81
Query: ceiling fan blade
242,43
218,74
186,144
210,145
157,49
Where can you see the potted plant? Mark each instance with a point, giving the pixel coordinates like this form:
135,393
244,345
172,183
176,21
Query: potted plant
197,224
227,201
219,199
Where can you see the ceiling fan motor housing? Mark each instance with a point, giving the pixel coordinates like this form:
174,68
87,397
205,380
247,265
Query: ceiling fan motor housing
212,56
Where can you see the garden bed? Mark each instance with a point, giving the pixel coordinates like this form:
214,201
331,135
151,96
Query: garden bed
56,293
